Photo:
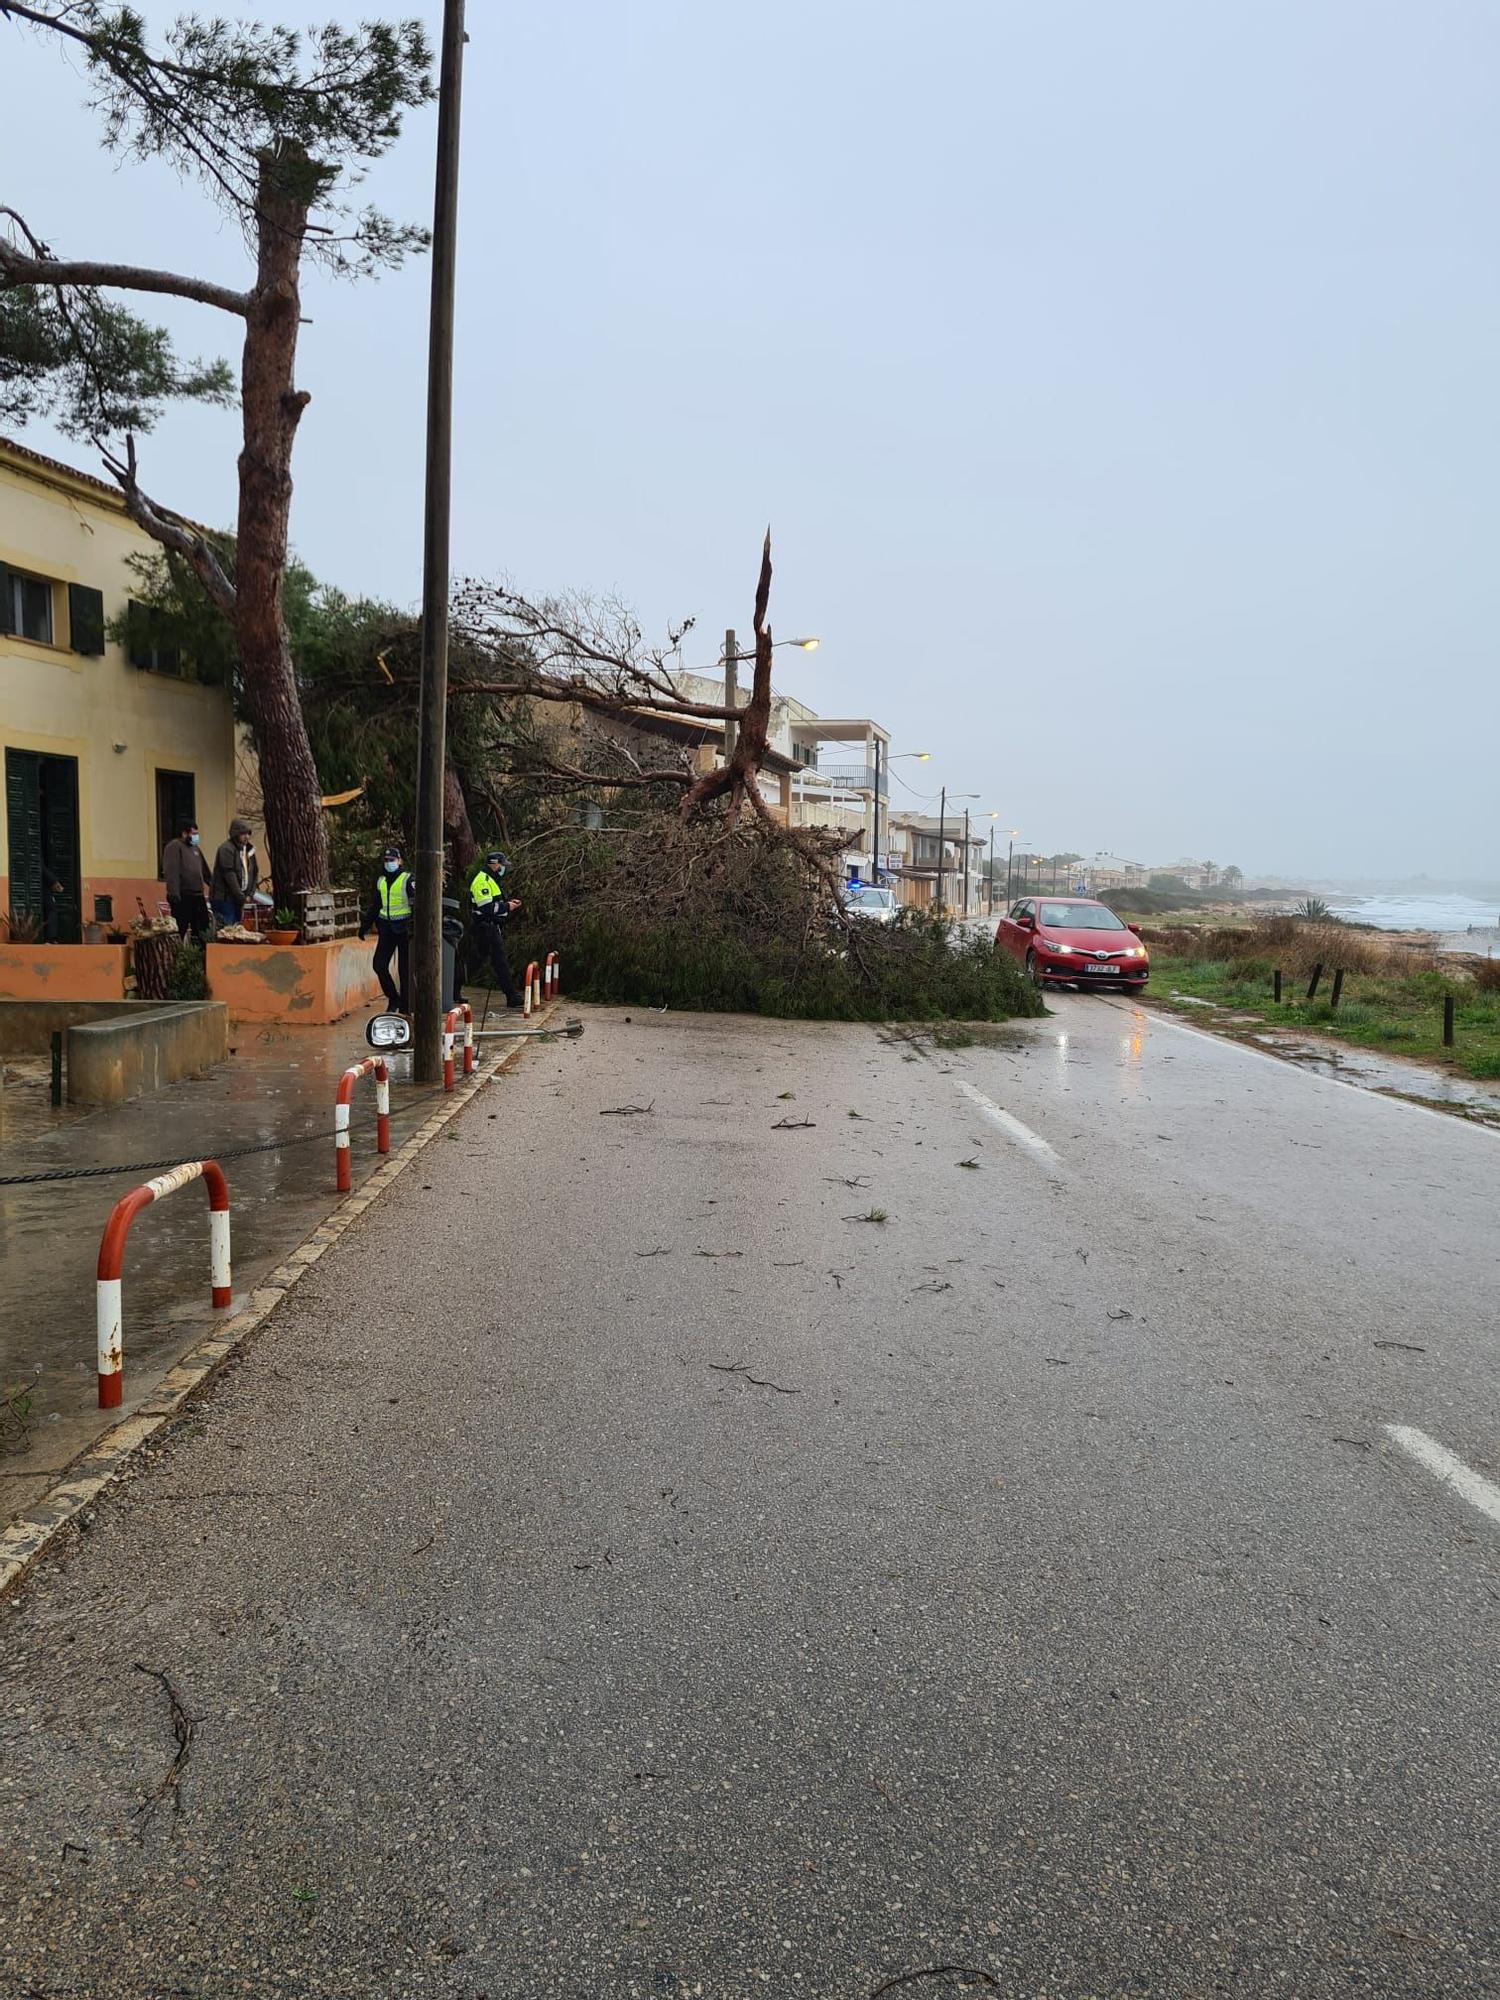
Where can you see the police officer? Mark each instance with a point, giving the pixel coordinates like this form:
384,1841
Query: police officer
493,910
390,913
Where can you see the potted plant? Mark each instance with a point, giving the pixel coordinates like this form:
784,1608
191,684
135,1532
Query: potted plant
284,928
22,927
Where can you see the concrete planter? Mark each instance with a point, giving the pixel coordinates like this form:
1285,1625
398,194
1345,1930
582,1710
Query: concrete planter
62,971
311,983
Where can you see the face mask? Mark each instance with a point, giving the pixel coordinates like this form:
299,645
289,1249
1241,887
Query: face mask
391,867
497,871
192,840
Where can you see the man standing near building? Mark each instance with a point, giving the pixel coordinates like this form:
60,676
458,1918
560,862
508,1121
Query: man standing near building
185,874
493,910
389,911
236,872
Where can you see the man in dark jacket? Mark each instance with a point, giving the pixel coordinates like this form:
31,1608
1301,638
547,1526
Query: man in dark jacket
389,910
493,909
185,876
236,872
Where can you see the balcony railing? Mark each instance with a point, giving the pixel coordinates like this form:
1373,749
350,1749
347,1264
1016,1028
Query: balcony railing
853,777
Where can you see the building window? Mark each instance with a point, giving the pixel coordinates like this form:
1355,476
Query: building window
176,807
26,606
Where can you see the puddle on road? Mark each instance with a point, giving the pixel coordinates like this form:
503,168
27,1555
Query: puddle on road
1388,1075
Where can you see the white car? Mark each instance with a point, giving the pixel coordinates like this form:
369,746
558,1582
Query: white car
875,906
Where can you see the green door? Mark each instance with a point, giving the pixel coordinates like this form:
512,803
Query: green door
41,812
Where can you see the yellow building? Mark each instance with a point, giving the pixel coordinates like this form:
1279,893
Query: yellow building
103,754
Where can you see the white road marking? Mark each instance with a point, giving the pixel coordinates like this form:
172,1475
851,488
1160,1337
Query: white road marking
1014,1129
1468,1484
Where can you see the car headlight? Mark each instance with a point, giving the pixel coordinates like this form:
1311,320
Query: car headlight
1052,944
1136,951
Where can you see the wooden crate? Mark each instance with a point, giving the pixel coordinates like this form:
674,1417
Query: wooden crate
329,914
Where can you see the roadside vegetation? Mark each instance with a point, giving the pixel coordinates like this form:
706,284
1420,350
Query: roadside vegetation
1392,998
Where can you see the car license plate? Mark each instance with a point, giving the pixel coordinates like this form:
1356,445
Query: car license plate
1103,968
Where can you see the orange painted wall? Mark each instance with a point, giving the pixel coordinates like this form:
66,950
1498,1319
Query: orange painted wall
62,971
312,983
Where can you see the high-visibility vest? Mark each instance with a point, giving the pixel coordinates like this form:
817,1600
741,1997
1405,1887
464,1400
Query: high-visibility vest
395,896
484,893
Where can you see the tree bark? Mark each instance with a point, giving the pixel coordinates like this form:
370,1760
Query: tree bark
457,827
272,407
739,774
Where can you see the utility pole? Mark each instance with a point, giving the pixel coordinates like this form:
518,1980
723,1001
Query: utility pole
731,691
875,812
1010,848
966,861
432,746
942,832
991,903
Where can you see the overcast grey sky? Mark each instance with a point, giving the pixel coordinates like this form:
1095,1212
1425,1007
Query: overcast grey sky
1119,378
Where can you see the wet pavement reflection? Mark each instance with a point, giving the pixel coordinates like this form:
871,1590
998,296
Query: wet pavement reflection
275,1092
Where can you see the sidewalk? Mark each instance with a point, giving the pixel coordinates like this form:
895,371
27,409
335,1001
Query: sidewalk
278,1085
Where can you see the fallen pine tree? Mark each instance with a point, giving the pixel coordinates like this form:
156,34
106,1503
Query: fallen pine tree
740,916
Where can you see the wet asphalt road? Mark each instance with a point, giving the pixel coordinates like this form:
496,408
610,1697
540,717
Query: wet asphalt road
623,1570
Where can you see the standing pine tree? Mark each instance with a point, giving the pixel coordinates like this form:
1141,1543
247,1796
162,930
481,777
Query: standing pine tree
276,127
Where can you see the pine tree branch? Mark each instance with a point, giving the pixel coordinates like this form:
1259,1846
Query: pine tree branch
18,269
173,534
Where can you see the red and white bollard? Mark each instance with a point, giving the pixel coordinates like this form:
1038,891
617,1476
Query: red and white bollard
552,976
372,1065
532,988
109,1314
450,1038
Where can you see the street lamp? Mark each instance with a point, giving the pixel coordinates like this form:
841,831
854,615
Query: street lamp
942,835
732,658
921,757
1012,835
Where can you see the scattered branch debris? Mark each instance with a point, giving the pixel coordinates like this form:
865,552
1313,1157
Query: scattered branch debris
968,1163
1119,1312
934,1285
718,1253
629,1110
843,1180
1402,1346
793,1124
723,1368
184,1728
661,1250
937,1972
870,1215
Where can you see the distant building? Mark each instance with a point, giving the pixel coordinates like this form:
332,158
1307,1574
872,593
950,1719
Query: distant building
932,851
1112,871
103,753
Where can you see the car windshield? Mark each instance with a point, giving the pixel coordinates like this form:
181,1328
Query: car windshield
871,899
1079,917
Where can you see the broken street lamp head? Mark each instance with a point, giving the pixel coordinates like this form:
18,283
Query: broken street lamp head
388,1031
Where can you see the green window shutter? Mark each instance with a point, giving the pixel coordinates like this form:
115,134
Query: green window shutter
7,617
86,619
137,635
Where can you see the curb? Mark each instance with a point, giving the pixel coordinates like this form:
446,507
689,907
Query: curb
31,1533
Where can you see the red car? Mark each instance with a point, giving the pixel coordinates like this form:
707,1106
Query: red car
1073,938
